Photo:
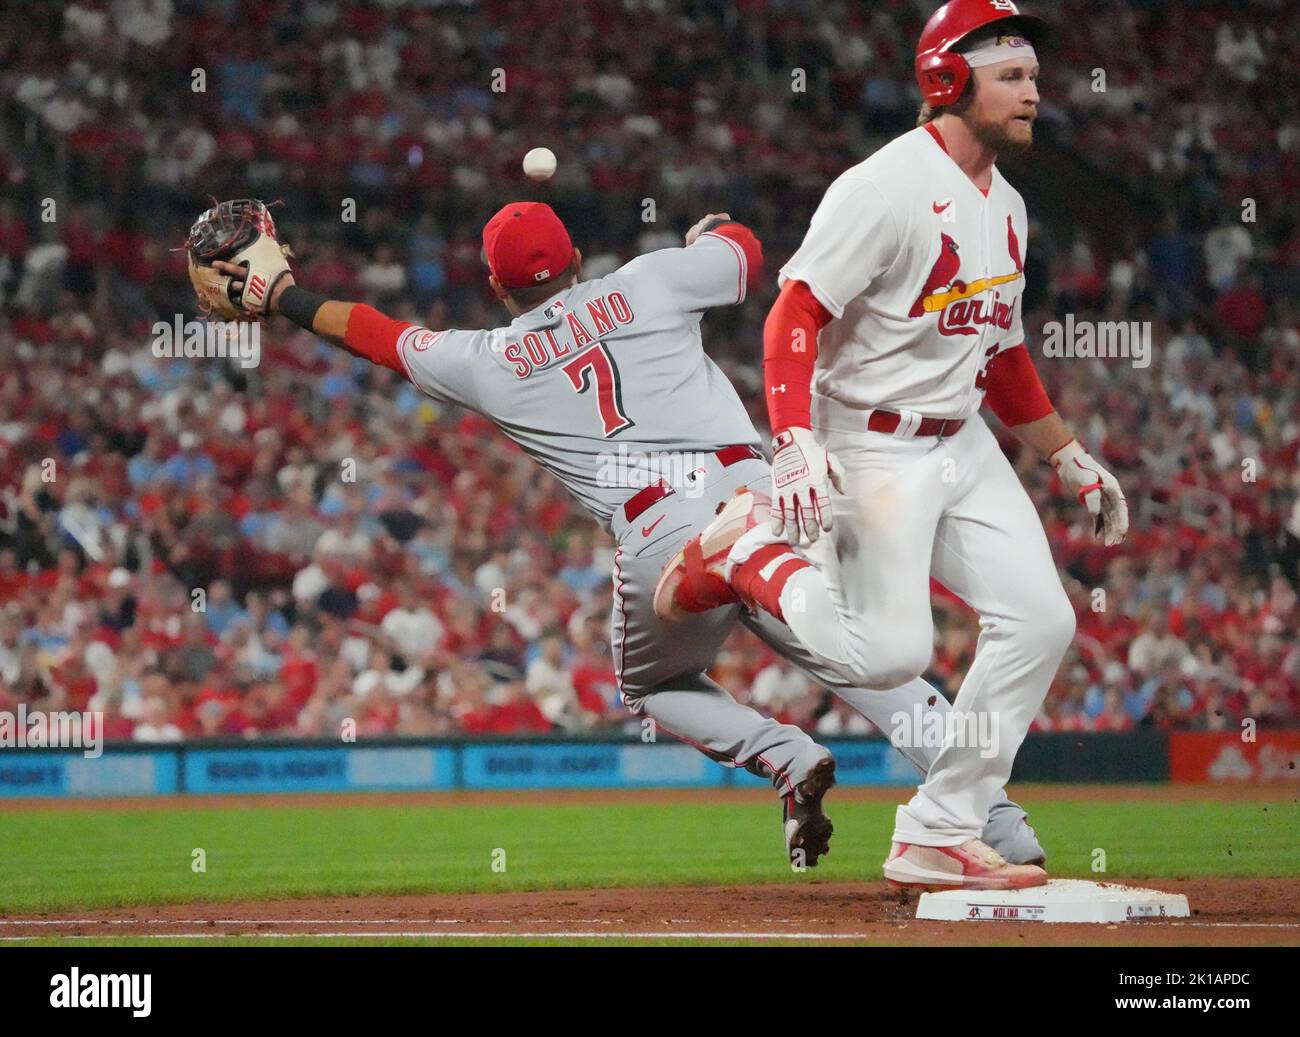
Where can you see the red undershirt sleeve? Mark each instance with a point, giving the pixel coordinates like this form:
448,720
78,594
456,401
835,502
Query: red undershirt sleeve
374,336
790,354
750,248
1013,390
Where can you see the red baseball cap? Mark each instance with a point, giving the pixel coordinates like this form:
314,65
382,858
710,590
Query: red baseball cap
526,244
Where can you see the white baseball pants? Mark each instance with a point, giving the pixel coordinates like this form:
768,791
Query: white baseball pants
953,509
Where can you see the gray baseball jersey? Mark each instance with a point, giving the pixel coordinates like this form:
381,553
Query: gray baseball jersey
608,383
599,386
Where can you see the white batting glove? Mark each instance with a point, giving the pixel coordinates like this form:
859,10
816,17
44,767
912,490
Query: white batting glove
802,476
1096,489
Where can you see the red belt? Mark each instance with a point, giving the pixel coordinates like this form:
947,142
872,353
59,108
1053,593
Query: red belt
887,421
652,495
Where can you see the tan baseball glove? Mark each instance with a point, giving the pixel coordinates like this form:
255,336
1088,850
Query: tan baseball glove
240,232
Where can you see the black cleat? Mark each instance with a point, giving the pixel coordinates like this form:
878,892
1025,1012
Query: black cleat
807,829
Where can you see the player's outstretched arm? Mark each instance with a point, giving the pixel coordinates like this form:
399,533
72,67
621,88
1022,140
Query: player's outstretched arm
356,327
240,271
1017,397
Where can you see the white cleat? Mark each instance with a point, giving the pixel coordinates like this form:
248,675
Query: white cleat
972,865
694,580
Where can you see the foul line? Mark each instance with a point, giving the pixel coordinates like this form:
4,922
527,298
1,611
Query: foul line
617,934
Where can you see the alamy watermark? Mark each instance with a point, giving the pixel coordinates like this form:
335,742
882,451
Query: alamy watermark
208,340
77,989
54,729
931,729
1105,340
684,471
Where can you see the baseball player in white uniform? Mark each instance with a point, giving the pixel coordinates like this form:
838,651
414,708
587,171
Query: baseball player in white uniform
898,316
613,369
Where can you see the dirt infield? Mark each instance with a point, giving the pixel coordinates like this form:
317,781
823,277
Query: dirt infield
1227,912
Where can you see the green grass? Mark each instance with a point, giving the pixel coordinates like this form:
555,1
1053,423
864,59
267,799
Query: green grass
66,860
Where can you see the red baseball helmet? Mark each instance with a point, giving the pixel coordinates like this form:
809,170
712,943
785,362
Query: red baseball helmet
942,73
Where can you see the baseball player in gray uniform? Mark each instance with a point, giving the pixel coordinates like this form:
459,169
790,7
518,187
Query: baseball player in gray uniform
605,383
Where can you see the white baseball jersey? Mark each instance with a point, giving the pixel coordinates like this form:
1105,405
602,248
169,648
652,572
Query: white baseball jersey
925,274
601,382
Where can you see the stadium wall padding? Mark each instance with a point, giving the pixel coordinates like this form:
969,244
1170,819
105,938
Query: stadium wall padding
541,763
1232,756
1141,755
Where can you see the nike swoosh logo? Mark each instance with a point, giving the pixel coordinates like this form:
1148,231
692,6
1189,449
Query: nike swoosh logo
939,208
647,530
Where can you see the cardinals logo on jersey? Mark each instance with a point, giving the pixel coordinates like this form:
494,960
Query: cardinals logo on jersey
957,302
943,276
1013,247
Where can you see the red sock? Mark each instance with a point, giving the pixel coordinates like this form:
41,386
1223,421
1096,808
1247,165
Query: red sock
765,593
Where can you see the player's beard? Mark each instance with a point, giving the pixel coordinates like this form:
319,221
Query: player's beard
996,137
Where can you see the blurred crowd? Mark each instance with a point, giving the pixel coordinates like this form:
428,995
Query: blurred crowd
199,549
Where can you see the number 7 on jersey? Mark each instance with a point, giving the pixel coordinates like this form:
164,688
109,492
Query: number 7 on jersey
609,392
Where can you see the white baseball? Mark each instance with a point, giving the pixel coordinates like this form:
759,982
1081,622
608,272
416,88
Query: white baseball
539,164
